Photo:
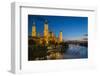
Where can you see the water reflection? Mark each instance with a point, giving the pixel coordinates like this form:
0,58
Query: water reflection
76,51
70,51
73,51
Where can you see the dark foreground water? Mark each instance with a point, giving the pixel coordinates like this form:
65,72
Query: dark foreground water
72,52
76,51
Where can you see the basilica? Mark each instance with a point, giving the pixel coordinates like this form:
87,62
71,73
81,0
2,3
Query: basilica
47,37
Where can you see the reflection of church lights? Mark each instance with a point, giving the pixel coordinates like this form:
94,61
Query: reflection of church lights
48,36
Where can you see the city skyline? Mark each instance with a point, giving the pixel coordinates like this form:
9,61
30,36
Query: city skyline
72,27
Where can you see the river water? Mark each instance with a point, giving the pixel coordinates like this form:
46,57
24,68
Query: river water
76,51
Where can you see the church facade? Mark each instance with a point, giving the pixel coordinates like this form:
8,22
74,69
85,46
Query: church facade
48,37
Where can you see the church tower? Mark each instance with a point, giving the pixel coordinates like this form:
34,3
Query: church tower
33,30
60,39
46,31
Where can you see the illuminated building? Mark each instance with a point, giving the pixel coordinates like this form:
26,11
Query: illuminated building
48,37
60,39
33,30
46,32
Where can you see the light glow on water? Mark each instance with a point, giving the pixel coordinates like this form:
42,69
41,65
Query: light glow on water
76,51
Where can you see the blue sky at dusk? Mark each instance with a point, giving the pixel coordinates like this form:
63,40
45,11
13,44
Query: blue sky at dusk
71,27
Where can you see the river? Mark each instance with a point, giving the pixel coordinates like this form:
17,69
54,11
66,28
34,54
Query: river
76,51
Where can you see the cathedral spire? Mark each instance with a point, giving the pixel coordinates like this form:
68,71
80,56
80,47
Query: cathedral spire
33,30
60,37
46,22
46,31
33,23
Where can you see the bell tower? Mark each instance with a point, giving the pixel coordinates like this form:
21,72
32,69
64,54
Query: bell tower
34,30
60,39
46,31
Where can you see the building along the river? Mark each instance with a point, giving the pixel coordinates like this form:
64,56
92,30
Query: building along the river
48,37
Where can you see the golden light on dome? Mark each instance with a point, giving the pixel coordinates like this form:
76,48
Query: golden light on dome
47,36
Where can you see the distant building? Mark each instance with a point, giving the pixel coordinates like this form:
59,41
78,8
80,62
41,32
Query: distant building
48,37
